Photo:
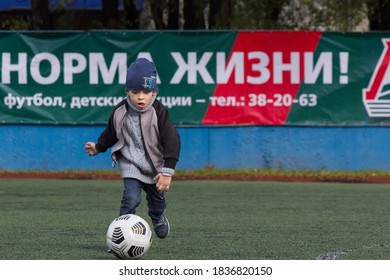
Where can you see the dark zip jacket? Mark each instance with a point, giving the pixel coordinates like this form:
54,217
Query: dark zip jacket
160,138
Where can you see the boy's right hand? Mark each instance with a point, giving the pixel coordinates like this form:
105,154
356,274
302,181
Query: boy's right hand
90,149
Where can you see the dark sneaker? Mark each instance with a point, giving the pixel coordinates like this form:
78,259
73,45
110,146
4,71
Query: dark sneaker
161,228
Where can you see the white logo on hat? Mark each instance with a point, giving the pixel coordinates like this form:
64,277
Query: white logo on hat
149,82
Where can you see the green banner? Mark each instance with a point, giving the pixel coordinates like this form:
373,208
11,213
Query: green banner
205,78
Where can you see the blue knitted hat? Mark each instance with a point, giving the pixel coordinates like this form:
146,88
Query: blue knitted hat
141,75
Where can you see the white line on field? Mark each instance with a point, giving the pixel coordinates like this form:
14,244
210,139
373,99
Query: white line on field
336,254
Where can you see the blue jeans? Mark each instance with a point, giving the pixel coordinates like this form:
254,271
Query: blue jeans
132,198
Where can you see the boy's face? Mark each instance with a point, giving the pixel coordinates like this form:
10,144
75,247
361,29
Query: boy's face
141,98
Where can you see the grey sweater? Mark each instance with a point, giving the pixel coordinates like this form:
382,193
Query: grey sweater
160,140
132,160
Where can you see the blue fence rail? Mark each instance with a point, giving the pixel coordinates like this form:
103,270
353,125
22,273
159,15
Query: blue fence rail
29,147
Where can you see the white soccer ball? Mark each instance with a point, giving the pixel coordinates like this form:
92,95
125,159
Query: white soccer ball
129,237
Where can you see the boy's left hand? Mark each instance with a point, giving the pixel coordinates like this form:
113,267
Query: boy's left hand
163,182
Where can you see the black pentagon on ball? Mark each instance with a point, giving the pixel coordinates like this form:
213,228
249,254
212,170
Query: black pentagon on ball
117,236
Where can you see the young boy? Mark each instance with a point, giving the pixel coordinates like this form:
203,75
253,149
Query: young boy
144,142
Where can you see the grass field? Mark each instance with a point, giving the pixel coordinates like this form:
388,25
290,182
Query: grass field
224,220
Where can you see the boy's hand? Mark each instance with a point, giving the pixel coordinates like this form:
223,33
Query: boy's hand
90,149
163,182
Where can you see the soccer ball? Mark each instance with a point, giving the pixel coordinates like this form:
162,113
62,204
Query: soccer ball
129,237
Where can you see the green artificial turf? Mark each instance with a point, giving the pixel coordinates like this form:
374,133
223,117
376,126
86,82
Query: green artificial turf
221,220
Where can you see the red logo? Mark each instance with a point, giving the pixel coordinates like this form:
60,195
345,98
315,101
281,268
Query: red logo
376,97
